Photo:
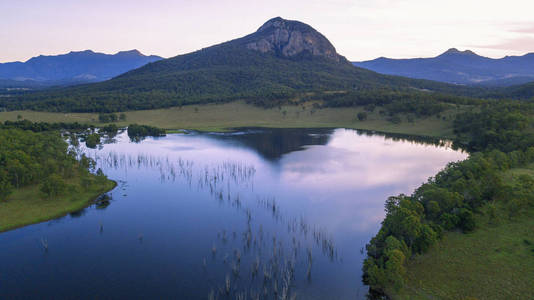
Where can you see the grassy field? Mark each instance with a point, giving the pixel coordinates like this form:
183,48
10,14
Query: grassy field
493,262
26,206
221,117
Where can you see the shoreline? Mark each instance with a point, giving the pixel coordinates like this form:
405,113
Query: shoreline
76,206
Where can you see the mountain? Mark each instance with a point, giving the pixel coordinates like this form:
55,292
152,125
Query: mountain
459,67
71,68
283,59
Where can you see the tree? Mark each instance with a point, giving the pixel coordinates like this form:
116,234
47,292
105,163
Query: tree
85,181
467,220
74,140
395,269
110,129
362,116
87,163
92,140
427,238
432,208
5,187
53,186
101,178
370,107
137,132
107,118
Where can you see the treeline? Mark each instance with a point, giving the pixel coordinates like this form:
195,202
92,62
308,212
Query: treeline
449,200
418,103
43,126
386,96
88,133
388,101
41,157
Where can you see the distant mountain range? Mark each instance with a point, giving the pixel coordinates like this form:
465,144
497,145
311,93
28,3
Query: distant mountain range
459,67
71,68
283,59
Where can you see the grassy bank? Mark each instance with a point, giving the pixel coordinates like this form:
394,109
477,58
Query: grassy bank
27,206
220,117
496,261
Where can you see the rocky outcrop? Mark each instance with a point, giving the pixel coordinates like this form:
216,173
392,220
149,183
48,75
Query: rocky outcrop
291,38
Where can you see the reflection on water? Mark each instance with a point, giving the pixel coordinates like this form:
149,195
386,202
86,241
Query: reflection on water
258,214
272,143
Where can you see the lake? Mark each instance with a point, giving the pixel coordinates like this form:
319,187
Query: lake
253,214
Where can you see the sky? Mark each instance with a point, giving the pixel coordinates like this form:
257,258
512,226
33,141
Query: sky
359,29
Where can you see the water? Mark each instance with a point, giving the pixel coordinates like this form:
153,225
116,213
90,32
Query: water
256,214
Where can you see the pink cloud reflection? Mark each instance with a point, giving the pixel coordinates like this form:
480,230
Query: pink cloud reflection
358,173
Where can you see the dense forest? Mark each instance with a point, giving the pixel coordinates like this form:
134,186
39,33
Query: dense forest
500,137
43,157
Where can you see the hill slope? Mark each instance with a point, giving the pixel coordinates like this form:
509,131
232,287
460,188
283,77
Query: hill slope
73,67
523,91
460,67
282,59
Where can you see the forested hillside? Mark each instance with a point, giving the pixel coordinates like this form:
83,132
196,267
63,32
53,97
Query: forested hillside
523,92
282,60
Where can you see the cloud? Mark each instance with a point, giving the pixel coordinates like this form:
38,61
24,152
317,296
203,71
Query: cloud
529,29
517,37
522,44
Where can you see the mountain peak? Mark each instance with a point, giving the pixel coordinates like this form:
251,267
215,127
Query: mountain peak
277,22
289,38
82,52
133,52
454,51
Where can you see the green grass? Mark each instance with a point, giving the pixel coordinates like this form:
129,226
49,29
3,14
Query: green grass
496,261
222,117
27,206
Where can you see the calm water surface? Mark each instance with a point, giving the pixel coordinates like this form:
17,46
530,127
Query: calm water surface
257,214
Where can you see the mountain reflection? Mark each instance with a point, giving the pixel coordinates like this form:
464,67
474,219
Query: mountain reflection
272,143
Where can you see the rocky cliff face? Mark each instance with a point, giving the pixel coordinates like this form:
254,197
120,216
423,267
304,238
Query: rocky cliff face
291,38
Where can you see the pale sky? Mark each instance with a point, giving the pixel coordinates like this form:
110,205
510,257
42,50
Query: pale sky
359,29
